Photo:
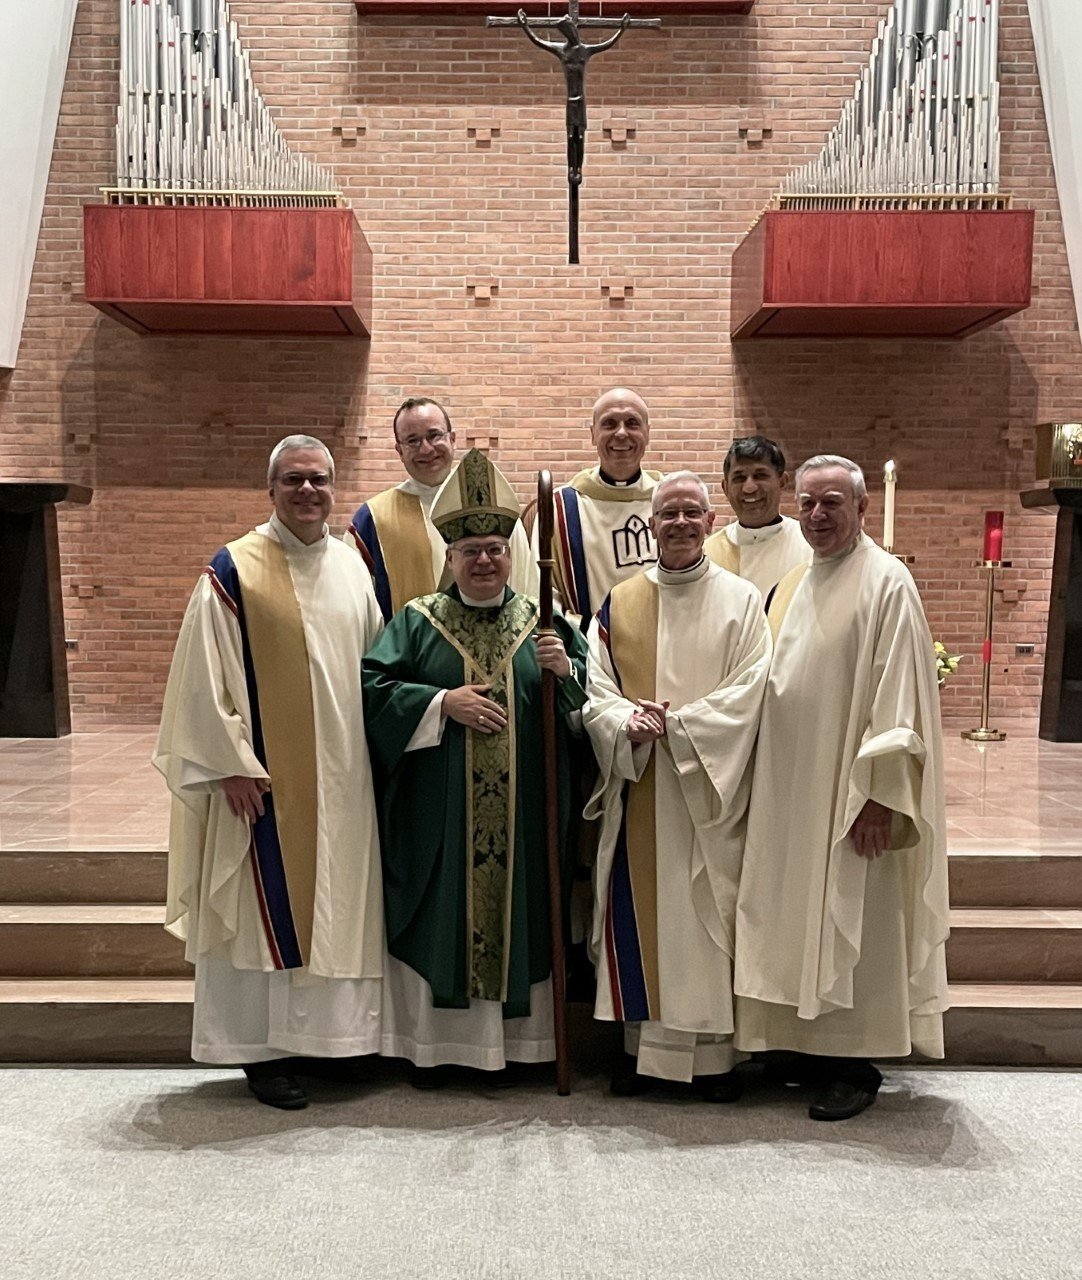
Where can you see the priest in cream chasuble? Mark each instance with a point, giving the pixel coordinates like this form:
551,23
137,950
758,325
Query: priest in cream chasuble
393,531
453,709
274,868
602,533
678,663
842,915
761,545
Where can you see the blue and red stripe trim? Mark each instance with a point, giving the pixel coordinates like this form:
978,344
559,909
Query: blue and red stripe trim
365,535
626,974
267,864
570,519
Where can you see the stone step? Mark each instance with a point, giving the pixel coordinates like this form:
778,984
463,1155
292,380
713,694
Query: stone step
105,875
95,1020
81,940
1015,944
1014,1024
149,1020
1021,879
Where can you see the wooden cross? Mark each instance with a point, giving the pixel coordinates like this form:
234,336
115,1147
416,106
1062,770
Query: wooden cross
574,53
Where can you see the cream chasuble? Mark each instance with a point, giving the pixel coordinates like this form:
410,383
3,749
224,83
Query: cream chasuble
760,556
602,537
407,557
672,813
836,954
265,682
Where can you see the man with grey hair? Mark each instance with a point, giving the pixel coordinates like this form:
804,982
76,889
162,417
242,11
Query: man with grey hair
842,914
678,663
274,868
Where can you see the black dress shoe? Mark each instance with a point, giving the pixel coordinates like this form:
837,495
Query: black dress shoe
840,1100
275,1086
332,1070
626,1081
505,1078
719,1088
426,1078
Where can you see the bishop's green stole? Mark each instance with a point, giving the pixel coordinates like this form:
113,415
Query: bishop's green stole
487,641
631,901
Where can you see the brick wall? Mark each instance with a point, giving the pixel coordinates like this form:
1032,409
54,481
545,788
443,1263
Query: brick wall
173,433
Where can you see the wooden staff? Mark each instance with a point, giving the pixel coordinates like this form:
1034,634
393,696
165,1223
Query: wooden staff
552,809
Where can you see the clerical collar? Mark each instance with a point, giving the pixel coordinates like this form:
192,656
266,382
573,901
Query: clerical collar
494,602
426,492
679,577
290,540
743,536
620,484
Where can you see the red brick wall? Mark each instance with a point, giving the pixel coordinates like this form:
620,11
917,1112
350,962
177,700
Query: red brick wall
173,433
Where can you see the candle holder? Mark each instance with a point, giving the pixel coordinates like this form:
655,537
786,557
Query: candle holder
983,733
904,559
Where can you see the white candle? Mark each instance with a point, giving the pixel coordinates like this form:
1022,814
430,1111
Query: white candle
890,480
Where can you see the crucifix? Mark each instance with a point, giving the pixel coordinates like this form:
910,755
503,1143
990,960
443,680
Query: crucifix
574,53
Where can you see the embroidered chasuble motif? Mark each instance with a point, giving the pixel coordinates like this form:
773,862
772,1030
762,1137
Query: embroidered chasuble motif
628,624
631,544
487,640
391,534
252,576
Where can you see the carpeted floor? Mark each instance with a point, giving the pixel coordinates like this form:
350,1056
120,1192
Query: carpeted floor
154,1174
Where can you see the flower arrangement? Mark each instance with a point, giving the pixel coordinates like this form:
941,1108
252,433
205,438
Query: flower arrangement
946,664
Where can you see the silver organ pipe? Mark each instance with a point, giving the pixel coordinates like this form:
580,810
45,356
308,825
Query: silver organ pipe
924,116
190,122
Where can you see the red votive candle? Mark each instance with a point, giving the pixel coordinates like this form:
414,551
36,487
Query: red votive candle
993,536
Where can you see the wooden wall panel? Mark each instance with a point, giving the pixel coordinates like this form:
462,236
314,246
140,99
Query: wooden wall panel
901,273
218,270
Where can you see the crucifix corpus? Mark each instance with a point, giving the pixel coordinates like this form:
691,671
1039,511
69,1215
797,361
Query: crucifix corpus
574,53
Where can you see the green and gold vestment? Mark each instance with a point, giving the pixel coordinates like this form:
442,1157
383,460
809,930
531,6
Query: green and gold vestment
462,824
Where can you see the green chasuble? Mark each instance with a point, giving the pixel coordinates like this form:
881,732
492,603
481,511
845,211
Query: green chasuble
462,824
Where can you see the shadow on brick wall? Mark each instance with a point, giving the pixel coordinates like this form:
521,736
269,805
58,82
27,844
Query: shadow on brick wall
954,415
201,412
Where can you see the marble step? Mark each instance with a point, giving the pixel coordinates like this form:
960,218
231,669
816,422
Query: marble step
80,940
1021,879
149,1020
78,876
1014,1024
1015,944
95,1020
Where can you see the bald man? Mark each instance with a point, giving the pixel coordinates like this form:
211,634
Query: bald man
603,514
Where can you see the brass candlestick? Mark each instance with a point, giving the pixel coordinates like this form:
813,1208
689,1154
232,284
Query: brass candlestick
983,733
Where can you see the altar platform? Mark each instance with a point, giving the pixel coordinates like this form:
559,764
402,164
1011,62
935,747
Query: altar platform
88,974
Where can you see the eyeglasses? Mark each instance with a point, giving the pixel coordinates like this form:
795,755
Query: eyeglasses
294,480
494,550
669,514
434,438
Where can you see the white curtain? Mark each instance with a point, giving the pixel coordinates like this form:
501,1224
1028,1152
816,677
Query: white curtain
1057,36
35,40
